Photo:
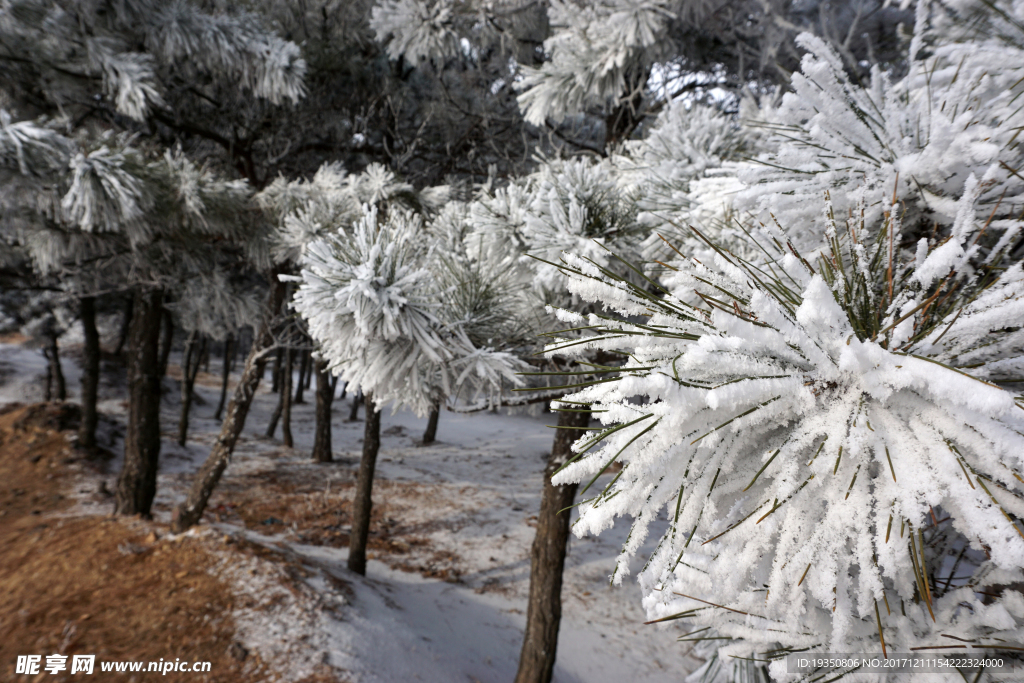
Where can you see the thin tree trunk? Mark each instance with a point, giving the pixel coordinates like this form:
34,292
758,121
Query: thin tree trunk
353,414
242,344
303,370
60,392
275,417
344,387
229,354
309,369
547,560
48,394
166,342
136,486
324,398
363,502
189,370
191,509
286,401
275,377
431,432
126,323
187,352
278,379
90,373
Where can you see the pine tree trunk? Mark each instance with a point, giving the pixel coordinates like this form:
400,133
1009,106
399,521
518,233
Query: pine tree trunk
243,342
303,370
324,398
278,383
90,373
547,560
275,417
431,432
60,392
286,400
126,323
191,510
166,342
275,376
136,485
353,414
363,502
189,370
229,354
186,365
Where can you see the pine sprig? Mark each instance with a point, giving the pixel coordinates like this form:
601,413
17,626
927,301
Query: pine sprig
791,409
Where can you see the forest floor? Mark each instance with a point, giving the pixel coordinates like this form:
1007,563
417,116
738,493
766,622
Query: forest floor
260,589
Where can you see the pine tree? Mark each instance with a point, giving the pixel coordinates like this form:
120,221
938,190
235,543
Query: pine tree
377,312
135,54
111,218
626,58
827,414
574,205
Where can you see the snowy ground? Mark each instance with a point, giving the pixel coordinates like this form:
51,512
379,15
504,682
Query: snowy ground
463,508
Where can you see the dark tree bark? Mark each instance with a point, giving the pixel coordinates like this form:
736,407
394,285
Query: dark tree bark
624,118
166,342
189,370
431,431
275,376
191,510
90,373
243,342
48,394
60,391
324,399
275,416
286,400
353,414
344,388
137,484
363,502
187,354
126,323
278,383
303,370
547,560
309,369
229,354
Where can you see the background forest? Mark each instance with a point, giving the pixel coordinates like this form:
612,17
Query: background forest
760,260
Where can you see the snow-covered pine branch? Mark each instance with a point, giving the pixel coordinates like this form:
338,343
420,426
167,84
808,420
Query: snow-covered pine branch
415,29
71,43
817,432
305,211
604,54
30,148
574,205
913,142
682,173
596,51
101,215
376,309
